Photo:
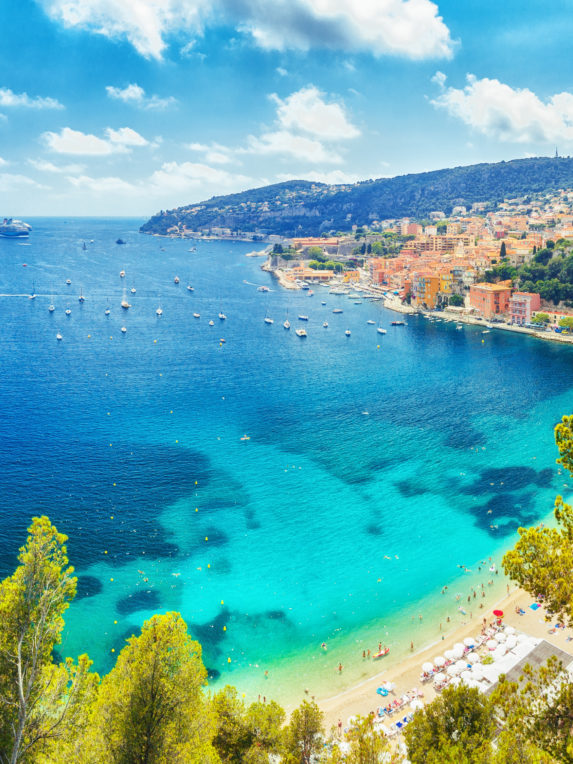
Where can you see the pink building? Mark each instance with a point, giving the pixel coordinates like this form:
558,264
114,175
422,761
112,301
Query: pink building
522,305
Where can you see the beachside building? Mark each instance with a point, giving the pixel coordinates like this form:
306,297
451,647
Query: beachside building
425,288
521,307
490,299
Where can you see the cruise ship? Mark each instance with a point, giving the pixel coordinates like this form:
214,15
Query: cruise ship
11,229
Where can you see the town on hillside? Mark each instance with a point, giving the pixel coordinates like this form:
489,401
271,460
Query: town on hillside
511,266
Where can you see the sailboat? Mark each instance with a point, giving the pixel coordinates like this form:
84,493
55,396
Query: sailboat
51,305
159,311
287,322
124,303
107,310
81,298
380,330
222,316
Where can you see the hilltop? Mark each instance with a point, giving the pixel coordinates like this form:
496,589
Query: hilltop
305,208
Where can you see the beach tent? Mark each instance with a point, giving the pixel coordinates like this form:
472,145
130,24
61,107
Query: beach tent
427,667
439,661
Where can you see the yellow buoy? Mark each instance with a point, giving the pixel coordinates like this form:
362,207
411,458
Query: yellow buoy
222,603
105,551
228,660
111,579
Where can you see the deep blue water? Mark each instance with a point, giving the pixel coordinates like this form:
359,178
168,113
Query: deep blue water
375,466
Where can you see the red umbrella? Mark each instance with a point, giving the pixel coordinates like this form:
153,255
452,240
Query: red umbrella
498,613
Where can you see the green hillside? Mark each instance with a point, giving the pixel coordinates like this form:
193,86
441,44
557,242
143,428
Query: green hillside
305,208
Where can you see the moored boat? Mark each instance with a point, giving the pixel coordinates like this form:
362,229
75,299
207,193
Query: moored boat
14,229
301,333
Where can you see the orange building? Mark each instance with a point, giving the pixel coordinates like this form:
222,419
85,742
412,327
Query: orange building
490,299
425,288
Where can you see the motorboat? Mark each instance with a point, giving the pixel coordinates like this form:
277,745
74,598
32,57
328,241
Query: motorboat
301,333
222,316
338,310
371,322
211,323
263,289
122,274
68,282
287,324
81,298
123,329
323,303
196,315
269,320
51,308
380,330
190,288
176,280
325,325
132,290
397,323
68,312
124,303
347,332
303,318
59,337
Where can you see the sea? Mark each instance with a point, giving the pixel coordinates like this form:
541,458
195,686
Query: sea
298,500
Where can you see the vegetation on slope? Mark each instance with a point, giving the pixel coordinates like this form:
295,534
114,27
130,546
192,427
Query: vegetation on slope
301,208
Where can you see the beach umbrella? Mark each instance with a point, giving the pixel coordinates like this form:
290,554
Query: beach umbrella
427,667
459,646
416,704
473,658
466,676
456,681
509,630
452,670
449,654
469,642
501,636
351,721
461,665
439,661
477,672
498,613
389,686
511,641
458,652
499,652
491,644
439,678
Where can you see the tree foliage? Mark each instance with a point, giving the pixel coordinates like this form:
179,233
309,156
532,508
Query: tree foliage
304,733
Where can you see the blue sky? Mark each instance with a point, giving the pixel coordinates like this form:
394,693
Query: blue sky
129,106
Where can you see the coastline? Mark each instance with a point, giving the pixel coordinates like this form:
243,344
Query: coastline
362,697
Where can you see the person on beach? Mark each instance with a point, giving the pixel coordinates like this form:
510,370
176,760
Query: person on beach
363,654
340,668
339,727
379,646
411,647
368,653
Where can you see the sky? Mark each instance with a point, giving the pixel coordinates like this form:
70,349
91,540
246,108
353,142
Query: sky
125,107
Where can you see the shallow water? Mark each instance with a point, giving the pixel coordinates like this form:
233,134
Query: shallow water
376,465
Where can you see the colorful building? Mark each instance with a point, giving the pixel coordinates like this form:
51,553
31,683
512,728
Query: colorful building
522,305
490,299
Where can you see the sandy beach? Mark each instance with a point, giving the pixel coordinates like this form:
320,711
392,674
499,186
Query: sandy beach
362,698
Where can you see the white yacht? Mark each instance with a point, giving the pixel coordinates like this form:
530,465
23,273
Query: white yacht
196,315
301,333
286,324
347,332
59,337
380,330
222,316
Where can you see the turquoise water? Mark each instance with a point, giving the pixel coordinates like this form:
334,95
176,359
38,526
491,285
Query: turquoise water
376,465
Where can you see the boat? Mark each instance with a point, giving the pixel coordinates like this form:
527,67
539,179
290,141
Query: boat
486,331
269,320
246,437
51,308
325,325
196,315
159,311
222,339
124,303
132,290
304,286
287,324
397,323
68,312
323,303
14,229
310,293
459,327
107,311
301,333
303,318
122,274
84,246
123,329
176,280
371,322
380,330
381,653
68,281
119,241
59,337
81,298
262,289
347,332
222,316
211,323
189,288
337,310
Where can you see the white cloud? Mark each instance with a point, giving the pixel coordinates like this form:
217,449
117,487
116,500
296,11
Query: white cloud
332,177
409,28
439,79
189,176
10,99
106,185
214,152
45,166
69,141
307,110
135,95
10,182
281,71
509,114
3,162
287,143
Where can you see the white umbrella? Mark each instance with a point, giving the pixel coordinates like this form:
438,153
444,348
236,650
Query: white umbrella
469,642
458,652
461,665
452,670
492,644
477,672
351,721
459,646
456,681
427,667
449,654
416,704
439,678
501,636
473,658
466,676
509,630
439,661
389,686
511,641
499,652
